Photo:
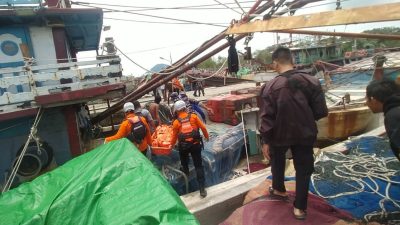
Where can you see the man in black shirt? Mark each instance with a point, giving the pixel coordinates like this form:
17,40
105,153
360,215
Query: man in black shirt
290,105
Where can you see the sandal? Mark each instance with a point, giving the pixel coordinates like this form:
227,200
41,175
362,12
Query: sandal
275,196
299,214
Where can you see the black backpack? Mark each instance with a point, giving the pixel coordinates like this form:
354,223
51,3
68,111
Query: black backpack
138,130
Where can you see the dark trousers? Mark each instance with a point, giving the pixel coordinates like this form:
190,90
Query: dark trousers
195,152
303,159
198,89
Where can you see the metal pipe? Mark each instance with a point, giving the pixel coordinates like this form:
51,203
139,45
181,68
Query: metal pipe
178,171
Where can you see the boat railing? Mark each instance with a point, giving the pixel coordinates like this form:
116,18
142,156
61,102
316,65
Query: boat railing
22,84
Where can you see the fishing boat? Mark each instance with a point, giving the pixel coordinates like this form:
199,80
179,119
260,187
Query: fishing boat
44,89
346,88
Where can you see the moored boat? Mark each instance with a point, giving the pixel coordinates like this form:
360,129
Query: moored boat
44,89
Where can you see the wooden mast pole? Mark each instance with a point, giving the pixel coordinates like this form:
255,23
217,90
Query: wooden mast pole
156,81
390,12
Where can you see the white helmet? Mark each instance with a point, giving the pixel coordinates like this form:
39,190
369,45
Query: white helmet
179,105
128,107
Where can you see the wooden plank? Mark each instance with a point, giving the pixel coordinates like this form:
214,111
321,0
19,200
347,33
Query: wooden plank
343,34
376,13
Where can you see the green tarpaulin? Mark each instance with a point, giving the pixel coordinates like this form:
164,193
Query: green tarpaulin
112,184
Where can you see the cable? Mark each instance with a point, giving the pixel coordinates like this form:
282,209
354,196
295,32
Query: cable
212,75
227,6
244,12
171,68
142,8
155,22
159,17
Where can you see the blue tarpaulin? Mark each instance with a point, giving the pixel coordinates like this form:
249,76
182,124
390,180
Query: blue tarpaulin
364,182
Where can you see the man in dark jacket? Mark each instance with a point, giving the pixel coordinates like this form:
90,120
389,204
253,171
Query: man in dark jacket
290,105
384,96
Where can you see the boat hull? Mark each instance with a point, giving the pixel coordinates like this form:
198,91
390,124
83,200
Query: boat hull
344,122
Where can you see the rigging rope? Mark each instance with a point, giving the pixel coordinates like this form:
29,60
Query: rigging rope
237,3
141,14
226,6
141,8
212,75
32,135
356,173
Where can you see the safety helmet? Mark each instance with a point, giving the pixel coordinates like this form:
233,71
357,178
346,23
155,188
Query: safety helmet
129,107
182,95
179,105
174,96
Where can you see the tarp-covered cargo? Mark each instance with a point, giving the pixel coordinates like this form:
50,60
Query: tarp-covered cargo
113,184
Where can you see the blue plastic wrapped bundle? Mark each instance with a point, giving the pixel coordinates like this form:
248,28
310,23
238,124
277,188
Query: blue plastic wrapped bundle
220,156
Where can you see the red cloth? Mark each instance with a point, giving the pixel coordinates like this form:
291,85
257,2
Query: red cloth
267,211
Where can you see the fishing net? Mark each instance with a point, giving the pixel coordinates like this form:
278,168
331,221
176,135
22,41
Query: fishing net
365,180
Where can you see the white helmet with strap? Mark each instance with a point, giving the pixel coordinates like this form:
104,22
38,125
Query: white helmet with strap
179,105
128,107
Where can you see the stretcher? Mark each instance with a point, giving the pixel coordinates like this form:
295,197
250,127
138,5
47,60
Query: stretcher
162,138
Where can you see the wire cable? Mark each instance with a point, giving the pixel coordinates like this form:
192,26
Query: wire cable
159,22
159,17
142,8
243,12
227,6
212,75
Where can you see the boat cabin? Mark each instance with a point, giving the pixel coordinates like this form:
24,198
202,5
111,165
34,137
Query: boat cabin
41,78
308,55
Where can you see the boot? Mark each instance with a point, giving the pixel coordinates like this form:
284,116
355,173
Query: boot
203,192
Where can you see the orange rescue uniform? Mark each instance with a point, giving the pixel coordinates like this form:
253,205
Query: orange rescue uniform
194,121
176,84
125,129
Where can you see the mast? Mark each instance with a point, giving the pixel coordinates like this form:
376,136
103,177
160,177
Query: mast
182,64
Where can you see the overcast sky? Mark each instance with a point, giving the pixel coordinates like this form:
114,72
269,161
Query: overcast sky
147,38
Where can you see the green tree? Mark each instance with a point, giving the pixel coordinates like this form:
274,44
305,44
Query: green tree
348,43
208,64
265,55
383,43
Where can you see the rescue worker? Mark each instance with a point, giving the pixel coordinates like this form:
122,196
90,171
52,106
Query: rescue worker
135,128
139,111
186,130
195,106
